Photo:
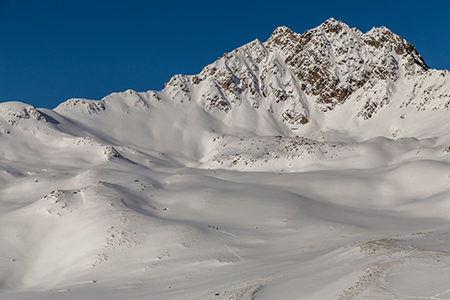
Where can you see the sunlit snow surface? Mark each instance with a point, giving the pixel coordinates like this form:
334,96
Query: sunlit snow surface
159,196
239,217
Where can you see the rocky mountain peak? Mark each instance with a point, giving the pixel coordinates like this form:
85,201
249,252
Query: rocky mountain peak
383,37
332,61
292,78
333,26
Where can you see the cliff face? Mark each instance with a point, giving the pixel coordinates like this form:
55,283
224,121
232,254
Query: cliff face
332,61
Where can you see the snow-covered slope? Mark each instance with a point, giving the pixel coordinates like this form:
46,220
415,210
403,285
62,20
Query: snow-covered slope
309,166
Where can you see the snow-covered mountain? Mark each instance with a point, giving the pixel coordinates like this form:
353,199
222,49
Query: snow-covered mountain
309,166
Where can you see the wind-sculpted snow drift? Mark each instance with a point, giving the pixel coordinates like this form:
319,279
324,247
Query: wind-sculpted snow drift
310,166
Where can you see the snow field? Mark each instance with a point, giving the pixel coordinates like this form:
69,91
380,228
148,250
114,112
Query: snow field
241,182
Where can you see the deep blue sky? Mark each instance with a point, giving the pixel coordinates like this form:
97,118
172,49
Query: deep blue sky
53,50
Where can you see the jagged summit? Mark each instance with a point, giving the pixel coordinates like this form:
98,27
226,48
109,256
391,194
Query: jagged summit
292,79
378,37
333,60
382,36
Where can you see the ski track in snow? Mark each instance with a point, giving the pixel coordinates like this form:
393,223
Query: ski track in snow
435,297
234,253
226,232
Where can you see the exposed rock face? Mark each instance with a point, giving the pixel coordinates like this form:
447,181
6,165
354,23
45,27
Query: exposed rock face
332,61
251,74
